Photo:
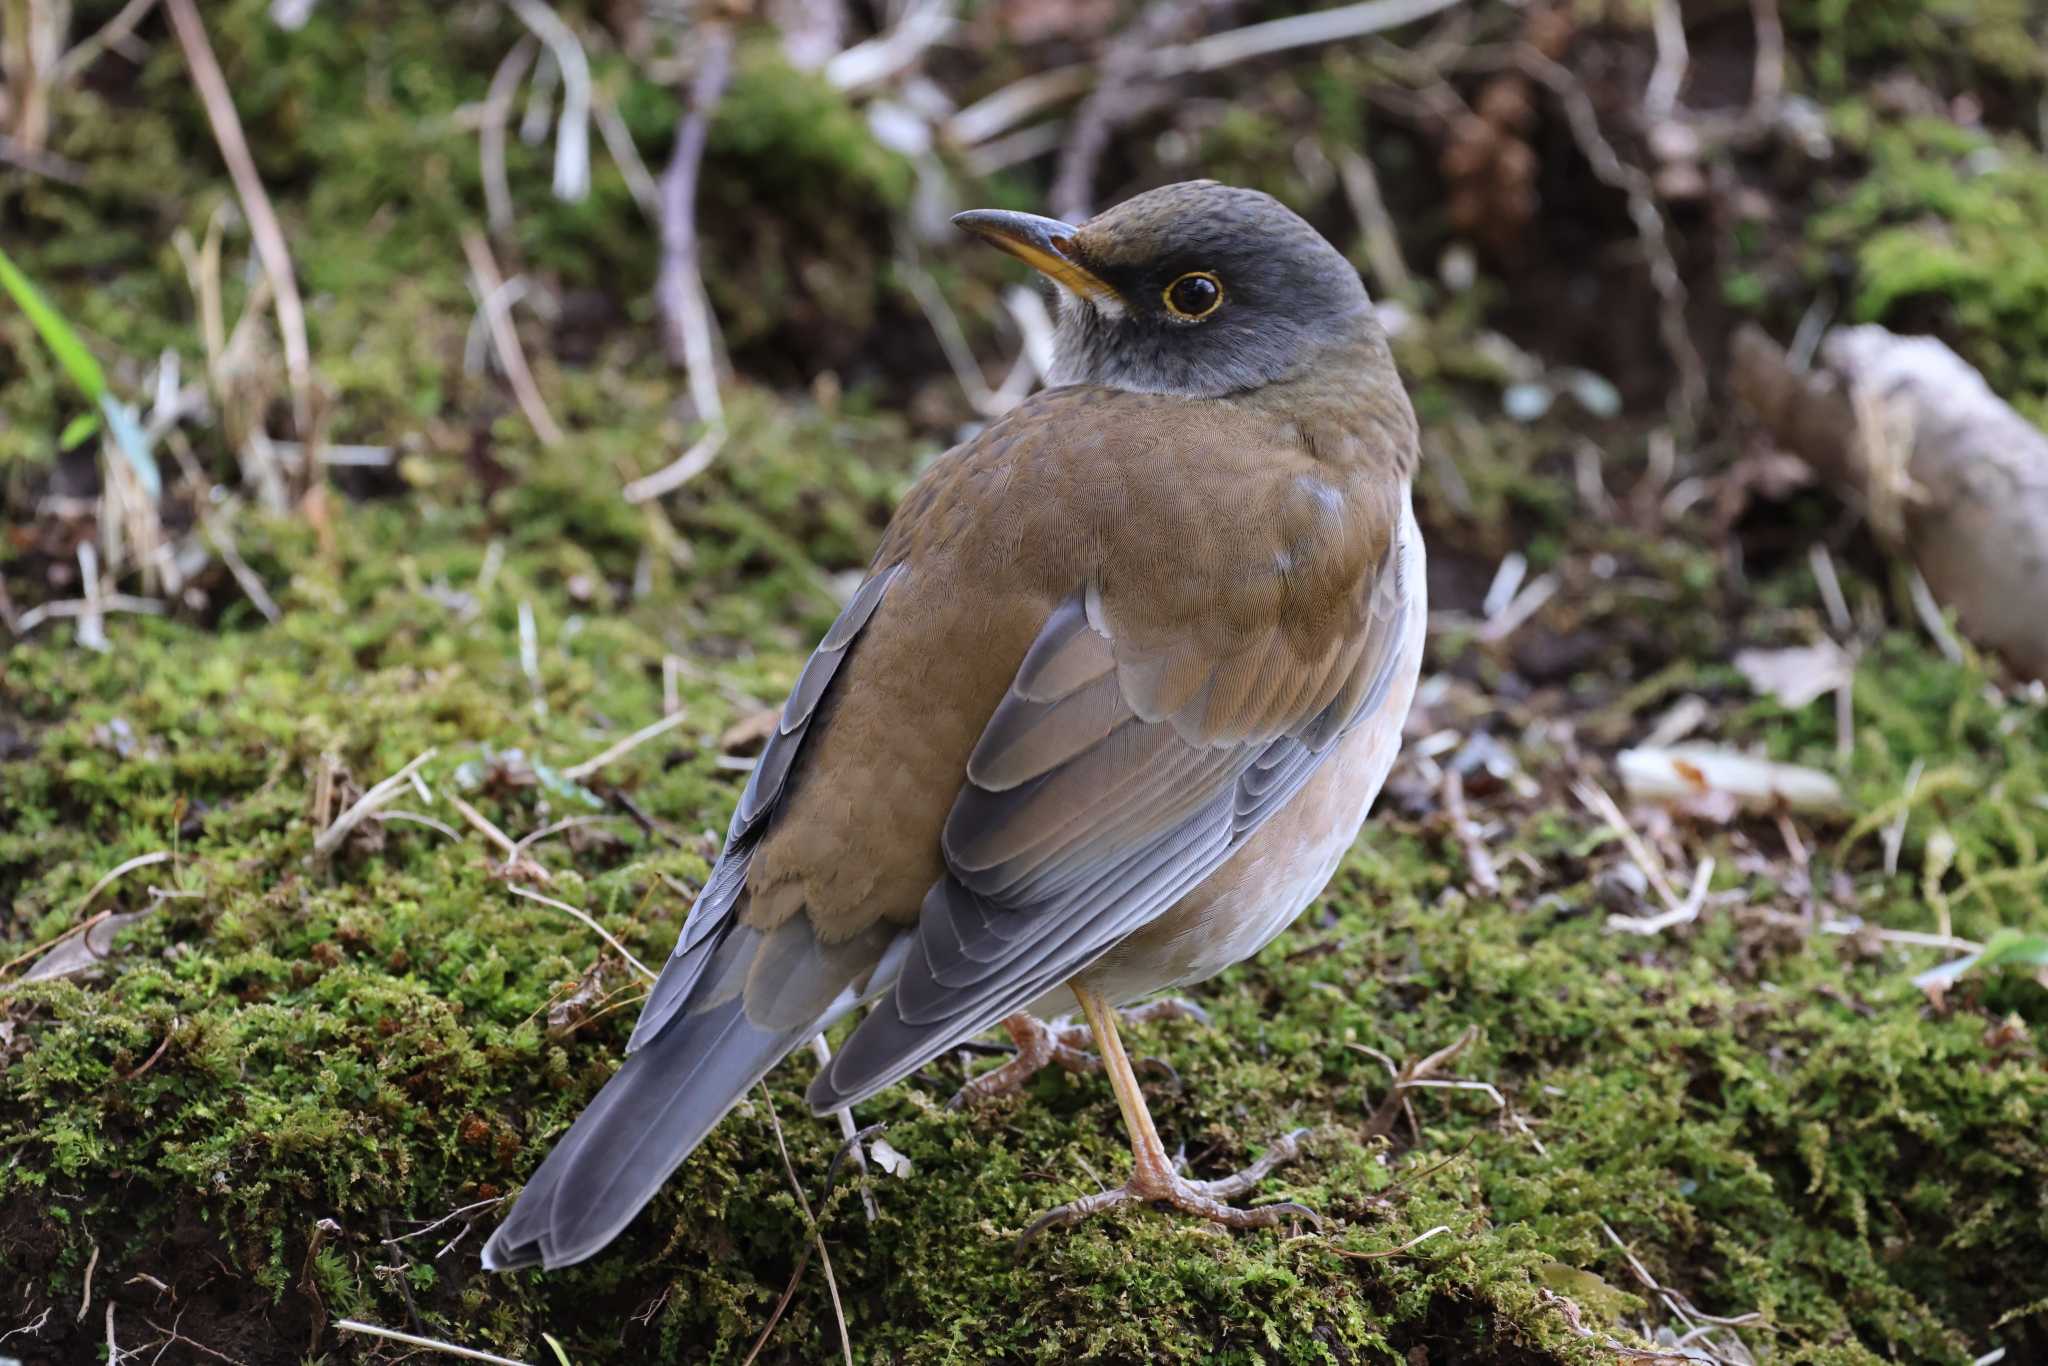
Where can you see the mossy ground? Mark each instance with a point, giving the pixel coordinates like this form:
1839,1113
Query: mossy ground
292,1061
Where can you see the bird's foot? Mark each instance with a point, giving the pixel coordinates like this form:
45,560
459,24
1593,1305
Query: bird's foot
1156,1183
1038,1046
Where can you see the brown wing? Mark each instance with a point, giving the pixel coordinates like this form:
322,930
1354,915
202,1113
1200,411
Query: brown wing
713,910
1110,781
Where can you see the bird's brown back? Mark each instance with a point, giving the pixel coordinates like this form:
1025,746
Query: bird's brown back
1232,543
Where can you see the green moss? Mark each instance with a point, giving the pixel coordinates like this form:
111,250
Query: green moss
1960,40
1951,226
288,1061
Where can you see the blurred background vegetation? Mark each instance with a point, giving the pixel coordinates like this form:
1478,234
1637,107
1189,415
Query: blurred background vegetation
431,436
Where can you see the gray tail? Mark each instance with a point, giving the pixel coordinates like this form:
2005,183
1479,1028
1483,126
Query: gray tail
637,1130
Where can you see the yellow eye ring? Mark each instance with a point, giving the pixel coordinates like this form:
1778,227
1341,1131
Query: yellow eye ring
1194,296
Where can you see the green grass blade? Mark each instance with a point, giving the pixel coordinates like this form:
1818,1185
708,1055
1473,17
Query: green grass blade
78,362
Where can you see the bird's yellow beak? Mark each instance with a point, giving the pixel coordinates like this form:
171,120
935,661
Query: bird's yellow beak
1044,244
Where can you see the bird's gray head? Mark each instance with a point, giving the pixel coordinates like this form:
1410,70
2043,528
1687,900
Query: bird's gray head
1198,289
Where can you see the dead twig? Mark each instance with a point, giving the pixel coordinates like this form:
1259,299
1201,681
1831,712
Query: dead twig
263,225
173,1335
516,864
1369,206
1381,1121
618,140
921,23
91,1265
1595,799
81,607
1121,94
848,1131
48,165
117,33
679,471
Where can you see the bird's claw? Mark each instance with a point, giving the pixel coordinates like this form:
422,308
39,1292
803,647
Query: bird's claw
1205,1199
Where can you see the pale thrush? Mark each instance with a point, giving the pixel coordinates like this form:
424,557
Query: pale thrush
1112,702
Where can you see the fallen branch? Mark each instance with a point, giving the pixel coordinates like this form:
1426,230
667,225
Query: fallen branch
1952,476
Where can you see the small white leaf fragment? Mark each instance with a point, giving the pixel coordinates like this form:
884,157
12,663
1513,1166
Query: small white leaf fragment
1685,775
888,1159
1798,675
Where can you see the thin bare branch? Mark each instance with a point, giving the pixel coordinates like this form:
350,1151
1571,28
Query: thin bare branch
1691,392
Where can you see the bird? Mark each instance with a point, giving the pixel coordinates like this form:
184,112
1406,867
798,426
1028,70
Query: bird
1109,705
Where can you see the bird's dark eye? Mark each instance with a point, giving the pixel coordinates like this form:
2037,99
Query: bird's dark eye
1194,296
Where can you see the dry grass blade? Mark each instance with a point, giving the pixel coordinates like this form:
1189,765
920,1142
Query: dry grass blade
817,1234
430,1344
572,130
578,772
1595,799
263,225
86,926
590,921
687,324
679,471
331,838
496,112
1415,1242
490,293
1300,30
